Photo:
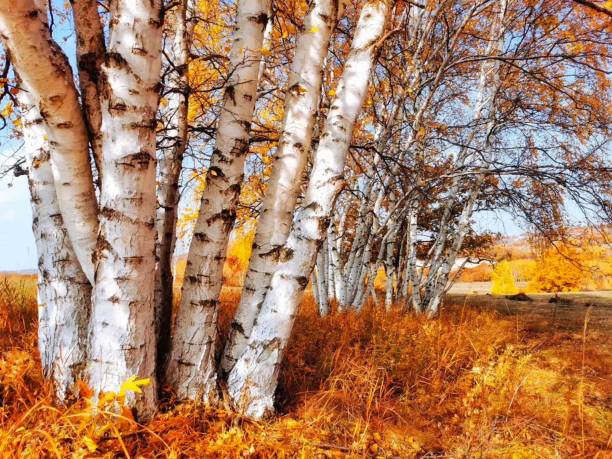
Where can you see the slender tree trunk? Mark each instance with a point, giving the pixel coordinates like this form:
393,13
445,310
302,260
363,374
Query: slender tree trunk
314,286
170,166
334,262
122,325
322,285
90,57
441,280
44,69
191,367
252,382
390,273
64,293
301,105
331,287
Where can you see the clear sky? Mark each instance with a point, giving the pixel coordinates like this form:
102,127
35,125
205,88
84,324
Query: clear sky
17,249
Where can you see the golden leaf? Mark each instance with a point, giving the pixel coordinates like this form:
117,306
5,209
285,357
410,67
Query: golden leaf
133,385
91,445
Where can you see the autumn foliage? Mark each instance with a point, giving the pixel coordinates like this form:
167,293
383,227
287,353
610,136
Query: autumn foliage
571,268
370,384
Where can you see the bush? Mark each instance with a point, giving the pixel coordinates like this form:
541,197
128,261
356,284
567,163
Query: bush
503,279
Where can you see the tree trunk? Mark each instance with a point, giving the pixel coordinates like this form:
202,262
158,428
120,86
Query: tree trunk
191,367
64,293
170,166
301,105
322,285
90,57
252,382
122,325
44,69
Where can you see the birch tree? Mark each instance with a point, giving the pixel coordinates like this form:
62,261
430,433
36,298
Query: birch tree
64,293
301,105
122,323
252,381
44,69
178,50
191,367
91,49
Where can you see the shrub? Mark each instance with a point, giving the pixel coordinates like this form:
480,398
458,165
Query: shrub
503,279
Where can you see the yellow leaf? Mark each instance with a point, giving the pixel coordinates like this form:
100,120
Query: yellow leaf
7,111
106,397
90,444
133,385
331,92
314,29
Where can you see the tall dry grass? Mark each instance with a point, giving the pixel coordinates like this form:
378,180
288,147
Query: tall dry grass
371,384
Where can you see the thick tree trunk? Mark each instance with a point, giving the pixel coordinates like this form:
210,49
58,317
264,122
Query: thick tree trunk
301,105
64,293
122,325
170,165
191,367
90,57
44,69
252,382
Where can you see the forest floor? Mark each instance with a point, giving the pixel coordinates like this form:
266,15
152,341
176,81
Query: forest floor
489,378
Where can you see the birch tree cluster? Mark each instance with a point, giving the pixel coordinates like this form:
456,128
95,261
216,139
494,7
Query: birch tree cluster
359,139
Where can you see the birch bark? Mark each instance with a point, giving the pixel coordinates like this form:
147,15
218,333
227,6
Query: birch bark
90,49
122,324
322,284
301,105
170,165
45,70
64,293
191,367
252,382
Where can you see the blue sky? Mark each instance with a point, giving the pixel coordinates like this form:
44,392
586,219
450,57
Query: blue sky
17,249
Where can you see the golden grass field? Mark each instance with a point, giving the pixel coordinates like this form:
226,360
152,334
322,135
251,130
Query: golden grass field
483,380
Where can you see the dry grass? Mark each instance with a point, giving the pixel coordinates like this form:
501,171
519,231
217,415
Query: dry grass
470,384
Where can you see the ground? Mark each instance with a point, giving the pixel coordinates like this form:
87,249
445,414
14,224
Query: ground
489,378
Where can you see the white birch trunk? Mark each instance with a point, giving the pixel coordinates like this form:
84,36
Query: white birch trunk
322,285
122,325
301,105
267,40
64,293
90,49
44,69
170,166
315,288
445,252
331,281
334,258
390,273
191,367
252,382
